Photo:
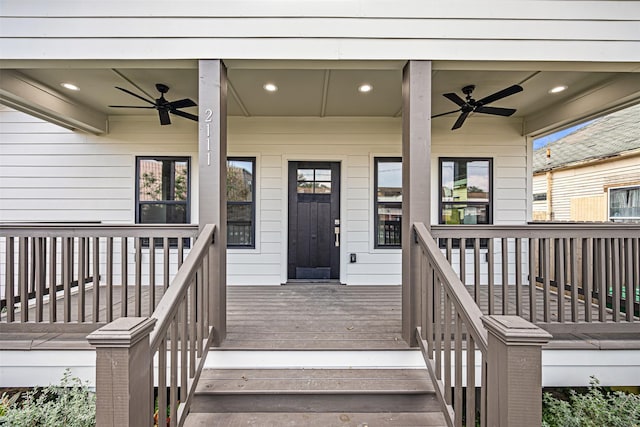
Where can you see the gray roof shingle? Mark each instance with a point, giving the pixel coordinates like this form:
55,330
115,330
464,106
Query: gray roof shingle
605,137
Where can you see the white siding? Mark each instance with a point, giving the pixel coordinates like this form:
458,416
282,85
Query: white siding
352,142
316,29
499,139
589,180
49,173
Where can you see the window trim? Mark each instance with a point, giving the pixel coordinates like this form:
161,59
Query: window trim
252,202
376,243
619,218
186,202
467,159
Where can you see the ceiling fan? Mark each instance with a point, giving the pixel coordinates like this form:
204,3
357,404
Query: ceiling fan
470,105
163,106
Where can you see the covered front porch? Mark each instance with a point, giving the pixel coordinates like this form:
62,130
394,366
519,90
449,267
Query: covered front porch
409,283
322,324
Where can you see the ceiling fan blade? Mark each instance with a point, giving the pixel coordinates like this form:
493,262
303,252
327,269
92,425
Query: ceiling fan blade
454,98
460,120
130,106
136,95
185,115
164,117
500,94
444,114
182,103
495,110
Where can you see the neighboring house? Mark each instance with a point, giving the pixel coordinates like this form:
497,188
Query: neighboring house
592,174
311,141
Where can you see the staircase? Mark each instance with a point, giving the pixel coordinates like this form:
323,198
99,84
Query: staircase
315,397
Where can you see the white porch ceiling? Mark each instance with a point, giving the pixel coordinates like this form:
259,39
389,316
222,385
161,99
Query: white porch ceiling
329,88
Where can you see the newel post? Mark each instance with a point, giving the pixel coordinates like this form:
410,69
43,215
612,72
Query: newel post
123,372
514,371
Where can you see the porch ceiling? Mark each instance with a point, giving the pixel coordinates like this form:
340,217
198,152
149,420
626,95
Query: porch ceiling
329,88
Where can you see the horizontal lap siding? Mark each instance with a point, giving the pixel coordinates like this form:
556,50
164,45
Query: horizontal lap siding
49,173
590,181
96,182
466,30
496,138
353,142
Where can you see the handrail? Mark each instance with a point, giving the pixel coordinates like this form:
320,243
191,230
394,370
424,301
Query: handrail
168,306
462,300
177,336
95,230
88,263
581,272
452,323
183,331
555,230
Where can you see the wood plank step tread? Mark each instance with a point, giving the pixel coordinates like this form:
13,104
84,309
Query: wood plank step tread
315,381
341,419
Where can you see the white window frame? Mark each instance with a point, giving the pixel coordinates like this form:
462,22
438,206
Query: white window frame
620,218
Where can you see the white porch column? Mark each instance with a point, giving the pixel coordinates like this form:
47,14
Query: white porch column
416,175
212,137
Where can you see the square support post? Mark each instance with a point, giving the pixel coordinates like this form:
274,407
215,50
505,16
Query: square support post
416,185
514,371
124,377
212,202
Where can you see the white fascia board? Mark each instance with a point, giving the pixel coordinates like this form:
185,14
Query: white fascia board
23,94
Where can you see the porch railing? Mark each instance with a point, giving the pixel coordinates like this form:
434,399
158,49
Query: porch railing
167,349
88,274
467,351
581,273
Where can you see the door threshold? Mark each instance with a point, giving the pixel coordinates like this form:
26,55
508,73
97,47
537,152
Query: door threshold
314,281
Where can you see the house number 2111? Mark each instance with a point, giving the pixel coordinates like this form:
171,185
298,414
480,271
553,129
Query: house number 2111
208,116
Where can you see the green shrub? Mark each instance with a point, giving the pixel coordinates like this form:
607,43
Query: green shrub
69,404
595,408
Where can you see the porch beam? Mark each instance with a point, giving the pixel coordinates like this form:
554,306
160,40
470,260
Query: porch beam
29,96
416,178
212,202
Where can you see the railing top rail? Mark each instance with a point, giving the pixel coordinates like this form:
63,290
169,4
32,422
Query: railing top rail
170,302
462,300
96,230
536,230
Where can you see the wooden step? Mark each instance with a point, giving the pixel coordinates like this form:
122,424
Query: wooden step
315,397
329,419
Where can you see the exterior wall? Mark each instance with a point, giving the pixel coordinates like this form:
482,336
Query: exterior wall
580,193
525,30
51,174
498,138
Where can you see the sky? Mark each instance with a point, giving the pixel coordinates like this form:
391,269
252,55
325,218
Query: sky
541,142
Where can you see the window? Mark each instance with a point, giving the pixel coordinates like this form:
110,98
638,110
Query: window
465,191
241,198
624,204
162,190
388,202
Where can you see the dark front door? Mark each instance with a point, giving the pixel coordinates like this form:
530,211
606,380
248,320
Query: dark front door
314,220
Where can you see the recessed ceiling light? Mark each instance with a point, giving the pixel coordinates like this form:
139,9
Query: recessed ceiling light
270,87
69,86
364,88
558,89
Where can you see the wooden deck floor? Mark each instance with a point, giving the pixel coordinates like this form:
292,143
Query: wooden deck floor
314,316
290,317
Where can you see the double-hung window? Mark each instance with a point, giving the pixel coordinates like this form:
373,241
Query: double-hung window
624,204
162,190
241,202
388,202
465,191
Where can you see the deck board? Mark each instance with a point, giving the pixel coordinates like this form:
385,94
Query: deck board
290,317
